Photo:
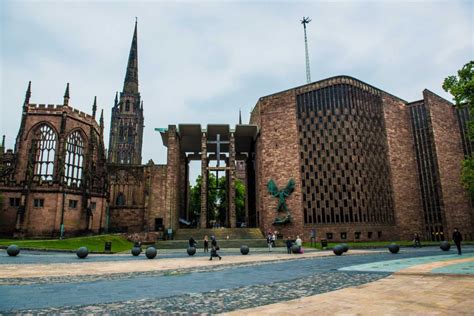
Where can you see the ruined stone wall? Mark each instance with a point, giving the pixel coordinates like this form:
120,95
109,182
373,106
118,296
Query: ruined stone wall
156,191
46,220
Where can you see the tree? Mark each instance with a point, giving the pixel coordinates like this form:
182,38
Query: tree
217,199
461,87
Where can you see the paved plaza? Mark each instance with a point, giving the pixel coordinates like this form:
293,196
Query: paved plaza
414,281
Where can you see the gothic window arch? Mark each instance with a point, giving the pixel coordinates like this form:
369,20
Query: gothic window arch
45,140
74,160
127,106
130,135
120,200
121,133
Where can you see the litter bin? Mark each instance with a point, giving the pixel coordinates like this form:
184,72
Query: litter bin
324,243
108,246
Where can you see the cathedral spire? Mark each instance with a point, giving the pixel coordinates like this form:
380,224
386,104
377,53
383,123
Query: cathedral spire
101,120
130,84
66,95
94,107
28,94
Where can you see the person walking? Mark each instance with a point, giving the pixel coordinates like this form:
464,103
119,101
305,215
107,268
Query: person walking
269,242
192,242
214,248
206,244
416,241
457,238
288,245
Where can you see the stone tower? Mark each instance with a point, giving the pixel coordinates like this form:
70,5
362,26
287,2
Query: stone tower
126,130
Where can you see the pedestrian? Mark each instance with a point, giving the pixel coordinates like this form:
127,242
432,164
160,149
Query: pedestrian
206,244
416,241
214,248
298,242
274,237
289,243
457,238
269,242
192,242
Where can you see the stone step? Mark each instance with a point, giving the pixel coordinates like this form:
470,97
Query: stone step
230,243
220,233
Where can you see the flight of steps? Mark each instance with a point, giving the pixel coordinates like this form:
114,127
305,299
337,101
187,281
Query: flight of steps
251,237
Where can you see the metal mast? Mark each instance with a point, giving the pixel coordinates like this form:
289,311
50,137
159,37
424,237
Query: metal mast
305,21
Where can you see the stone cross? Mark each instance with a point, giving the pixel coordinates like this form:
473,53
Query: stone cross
218,143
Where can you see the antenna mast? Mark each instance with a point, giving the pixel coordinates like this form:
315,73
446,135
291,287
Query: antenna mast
305,21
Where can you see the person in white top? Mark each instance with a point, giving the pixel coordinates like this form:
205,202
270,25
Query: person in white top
298,241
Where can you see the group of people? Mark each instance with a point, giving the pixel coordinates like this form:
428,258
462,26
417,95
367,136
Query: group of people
289,243
214,247
272,237
457,239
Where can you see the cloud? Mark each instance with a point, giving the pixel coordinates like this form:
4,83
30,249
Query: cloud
199,62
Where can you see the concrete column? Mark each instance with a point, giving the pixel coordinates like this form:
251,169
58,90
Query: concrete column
232,176
204,178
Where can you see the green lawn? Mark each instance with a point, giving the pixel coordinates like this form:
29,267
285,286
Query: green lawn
93,243
373,244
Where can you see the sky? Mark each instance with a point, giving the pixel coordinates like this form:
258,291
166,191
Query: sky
202,61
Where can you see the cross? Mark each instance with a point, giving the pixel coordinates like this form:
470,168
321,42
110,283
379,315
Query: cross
218,143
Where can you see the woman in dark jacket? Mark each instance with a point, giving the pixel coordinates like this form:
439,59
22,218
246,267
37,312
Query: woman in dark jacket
214,248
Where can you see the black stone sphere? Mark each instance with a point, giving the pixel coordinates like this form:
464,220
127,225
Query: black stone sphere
295,249
445,245
136,251
191,251
394,248
244,249
345,247
338,250
13,250
82,252
151,252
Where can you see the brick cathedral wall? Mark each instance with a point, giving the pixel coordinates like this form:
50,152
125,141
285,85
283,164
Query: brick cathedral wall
449,152
408,206
278,159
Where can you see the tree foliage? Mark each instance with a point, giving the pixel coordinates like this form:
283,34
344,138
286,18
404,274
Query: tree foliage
217,199
461,87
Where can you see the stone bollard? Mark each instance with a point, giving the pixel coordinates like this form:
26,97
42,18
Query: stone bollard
445,245
338,250
244,250
151,252
13,250
136,251
191,251
82,252
394,248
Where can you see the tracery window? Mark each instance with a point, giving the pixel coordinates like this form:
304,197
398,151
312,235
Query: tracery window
74,159
45,142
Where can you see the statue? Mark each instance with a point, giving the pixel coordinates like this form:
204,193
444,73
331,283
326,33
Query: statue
281,195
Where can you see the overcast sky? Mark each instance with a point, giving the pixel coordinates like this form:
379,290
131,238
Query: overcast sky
200,61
